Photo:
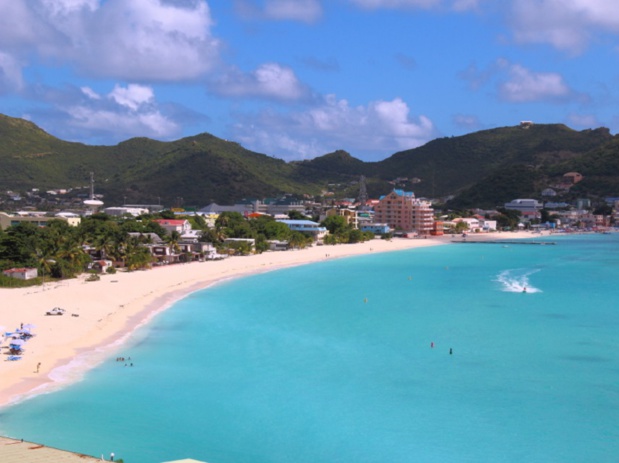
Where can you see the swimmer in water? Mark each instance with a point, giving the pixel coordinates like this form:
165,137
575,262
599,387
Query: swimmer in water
524,290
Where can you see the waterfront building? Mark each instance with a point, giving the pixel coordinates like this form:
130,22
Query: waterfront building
21,273
376,228
402,211
306,226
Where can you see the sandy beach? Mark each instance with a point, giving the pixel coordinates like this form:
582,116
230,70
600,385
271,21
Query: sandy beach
101,315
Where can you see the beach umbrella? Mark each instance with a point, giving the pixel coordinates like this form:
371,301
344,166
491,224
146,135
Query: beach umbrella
29,326
17,342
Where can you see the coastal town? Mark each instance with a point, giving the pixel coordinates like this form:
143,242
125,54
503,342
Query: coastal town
94,238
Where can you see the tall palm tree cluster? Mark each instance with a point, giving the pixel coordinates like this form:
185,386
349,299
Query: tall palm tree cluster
59,250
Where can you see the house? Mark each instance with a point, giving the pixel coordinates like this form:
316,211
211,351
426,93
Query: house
178,225
164,254
277,245
472,223
306,226
487,225
21,273
101,266
402,211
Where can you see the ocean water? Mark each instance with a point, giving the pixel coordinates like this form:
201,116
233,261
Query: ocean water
428,355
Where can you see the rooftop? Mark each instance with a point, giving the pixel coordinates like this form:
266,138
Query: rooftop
18,451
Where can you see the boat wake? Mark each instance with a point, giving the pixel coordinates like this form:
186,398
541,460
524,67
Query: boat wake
517,281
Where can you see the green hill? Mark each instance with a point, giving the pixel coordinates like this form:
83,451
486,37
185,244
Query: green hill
483,169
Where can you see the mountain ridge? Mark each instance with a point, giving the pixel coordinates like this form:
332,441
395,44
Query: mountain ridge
199,169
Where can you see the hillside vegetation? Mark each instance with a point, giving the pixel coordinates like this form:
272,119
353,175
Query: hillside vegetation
483,169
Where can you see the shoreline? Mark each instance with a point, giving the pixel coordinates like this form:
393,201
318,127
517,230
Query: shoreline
101,316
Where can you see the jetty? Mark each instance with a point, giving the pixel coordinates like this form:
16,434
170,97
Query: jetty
523,242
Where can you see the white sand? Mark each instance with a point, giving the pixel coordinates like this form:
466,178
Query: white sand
110,309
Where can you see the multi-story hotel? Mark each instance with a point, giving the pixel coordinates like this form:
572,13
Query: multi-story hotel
402,211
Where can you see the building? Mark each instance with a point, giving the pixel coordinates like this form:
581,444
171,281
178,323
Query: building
306,226
350,215
402,211
125,210
528,208
178,225
21,273
36,218
376,228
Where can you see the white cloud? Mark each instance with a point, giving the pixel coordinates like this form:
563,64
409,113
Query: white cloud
10,74
90,93
82,114
456,5
379,128
289,10
121,125
133,96
134,40
565,24
270,80
526,86
65,7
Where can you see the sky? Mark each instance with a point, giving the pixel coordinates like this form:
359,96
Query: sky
297,79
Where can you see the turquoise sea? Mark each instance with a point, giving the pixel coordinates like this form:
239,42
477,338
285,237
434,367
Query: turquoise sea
333,362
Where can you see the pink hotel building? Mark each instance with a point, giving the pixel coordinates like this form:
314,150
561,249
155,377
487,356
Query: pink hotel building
402,211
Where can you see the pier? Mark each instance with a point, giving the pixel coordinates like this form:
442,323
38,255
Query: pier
534,243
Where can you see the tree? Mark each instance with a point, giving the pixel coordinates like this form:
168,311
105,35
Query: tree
298,240
138,256
355,236
335,224
296,215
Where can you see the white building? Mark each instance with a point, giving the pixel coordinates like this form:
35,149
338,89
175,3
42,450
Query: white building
528,208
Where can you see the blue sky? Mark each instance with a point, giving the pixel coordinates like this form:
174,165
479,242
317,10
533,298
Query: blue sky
296,79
